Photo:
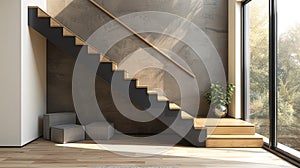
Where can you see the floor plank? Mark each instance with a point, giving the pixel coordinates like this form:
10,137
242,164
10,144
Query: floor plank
42,153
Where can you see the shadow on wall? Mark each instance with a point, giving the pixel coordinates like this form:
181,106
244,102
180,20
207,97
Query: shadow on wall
84,19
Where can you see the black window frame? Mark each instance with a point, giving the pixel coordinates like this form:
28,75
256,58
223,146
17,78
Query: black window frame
273,56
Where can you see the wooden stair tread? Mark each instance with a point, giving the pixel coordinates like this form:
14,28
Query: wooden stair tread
255,136
35,7
186,116
67,33
92,51
223,122
78,41
230,130
126,75
138,85
234,141
141,86
152,92
174,106
104,59
114,66
54,23
162,98
41,13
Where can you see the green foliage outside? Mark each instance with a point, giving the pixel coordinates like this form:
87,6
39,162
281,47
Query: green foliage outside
288,78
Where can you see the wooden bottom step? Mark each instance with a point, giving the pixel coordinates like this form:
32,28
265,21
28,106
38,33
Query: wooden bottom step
220,122
231,130
234,141
225,126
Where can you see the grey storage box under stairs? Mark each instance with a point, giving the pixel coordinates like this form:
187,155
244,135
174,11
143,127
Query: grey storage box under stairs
99,131
53,119
67,133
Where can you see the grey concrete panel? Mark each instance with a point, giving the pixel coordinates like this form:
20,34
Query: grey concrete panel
99,131
54,119
67,133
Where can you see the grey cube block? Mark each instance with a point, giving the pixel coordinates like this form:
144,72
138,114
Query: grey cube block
67,133
56,119
99,131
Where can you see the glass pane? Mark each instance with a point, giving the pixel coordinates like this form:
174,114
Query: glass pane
288,74
257,55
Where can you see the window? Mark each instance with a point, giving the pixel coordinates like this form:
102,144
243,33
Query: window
257,59
288,75
271,59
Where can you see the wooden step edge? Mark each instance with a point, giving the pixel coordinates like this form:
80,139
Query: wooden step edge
79,42
114,66
198,126
104,59
54,23
230,130
152,92
42,14
33,7
234,143
186,116
255,136
162,98
92,50
140,86
174,106
67,33
126,75
129,78
224,122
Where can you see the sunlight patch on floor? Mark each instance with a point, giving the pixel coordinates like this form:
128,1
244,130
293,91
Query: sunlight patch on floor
249,155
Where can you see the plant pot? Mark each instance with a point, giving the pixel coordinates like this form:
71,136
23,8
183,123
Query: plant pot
221,111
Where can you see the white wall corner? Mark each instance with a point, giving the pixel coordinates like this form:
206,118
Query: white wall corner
234,55
33,76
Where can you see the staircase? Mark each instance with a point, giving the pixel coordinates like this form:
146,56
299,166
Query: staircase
227,132
214,132
66,40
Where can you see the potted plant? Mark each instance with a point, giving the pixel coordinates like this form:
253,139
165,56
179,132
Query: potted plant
220,98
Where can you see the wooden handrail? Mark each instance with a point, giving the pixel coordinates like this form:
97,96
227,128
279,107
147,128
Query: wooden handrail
141,38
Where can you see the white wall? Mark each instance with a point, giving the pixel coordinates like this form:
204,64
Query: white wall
33,77
10,73
22,73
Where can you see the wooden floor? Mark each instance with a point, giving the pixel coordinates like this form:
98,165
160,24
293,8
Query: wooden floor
45,154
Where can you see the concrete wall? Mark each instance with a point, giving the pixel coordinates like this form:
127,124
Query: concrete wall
83,18
22,65
59,97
